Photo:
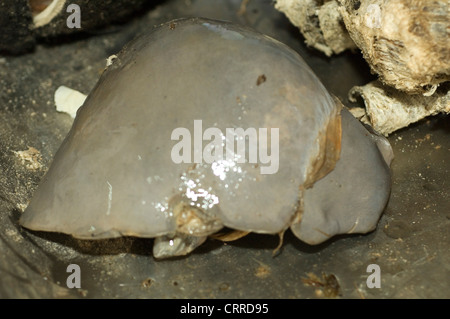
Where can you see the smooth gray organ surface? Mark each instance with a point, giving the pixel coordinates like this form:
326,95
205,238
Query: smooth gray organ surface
115,173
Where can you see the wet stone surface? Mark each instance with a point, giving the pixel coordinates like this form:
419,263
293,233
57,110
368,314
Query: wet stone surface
410,243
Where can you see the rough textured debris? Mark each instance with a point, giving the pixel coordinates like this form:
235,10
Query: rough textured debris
320,23
404,42
114,174
387,109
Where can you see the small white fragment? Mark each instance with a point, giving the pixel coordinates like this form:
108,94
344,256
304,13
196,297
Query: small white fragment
431,91
110,60
68,100
109,198
31,158
13,234
21,207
